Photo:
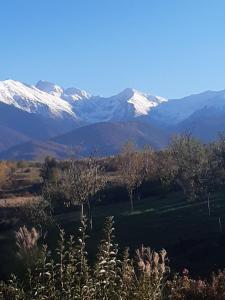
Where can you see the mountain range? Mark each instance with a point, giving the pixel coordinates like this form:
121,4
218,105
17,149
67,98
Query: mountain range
46,119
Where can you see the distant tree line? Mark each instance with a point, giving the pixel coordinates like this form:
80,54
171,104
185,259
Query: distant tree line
186,164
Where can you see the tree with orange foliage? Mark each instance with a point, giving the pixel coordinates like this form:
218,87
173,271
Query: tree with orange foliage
4,172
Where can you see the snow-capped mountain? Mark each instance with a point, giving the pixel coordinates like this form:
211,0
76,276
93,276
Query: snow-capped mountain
46,110
69,94
178,110
33,100
52,101
127,105
74,94
49,88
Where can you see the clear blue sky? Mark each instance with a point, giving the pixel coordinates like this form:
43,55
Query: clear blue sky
166,47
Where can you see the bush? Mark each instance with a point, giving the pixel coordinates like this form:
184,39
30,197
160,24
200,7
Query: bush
36,213
185,288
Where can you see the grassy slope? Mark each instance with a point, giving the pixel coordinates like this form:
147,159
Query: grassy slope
192,238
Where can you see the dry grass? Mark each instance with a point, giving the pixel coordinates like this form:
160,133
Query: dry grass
17,201
27,245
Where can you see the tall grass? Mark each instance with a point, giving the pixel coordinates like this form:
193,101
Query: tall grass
114,276
71,276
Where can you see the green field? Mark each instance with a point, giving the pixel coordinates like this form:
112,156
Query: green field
192,238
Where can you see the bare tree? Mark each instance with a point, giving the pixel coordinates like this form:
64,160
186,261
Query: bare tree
81,181
149,163
190,163
131,167
146,162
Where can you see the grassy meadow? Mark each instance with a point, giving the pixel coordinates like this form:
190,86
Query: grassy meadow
193,239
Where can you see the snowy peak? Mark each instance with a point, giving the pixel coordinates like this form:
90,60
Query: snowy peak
141,102
32,100
73,94
126,105
130,93
127,93
49,88
52,101
69,94
177,110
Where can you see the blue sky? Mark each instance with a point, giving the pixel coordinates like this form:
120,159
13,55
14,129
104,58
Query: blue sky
166,47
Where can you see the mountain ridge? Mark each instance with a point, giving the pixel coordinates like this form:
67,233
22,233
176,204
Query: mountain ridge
52,101
102,139
47,112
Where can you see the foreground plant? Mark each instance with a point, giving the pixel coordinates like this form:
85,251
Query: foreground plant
26,242
70,276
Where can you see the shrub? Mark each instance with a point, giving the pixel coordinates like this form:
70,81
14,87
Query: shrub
26,242
37,212
49,170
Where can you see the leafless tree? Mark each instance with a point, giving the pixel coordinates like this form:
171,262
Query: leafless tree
191,167
131,167
81,181
149,163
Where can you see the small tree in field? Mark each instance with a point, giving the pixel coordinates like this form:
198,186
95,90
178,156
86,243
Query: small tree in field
131,169
190,163
146,167
217,159
5,171
49,171
149,163
81,181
